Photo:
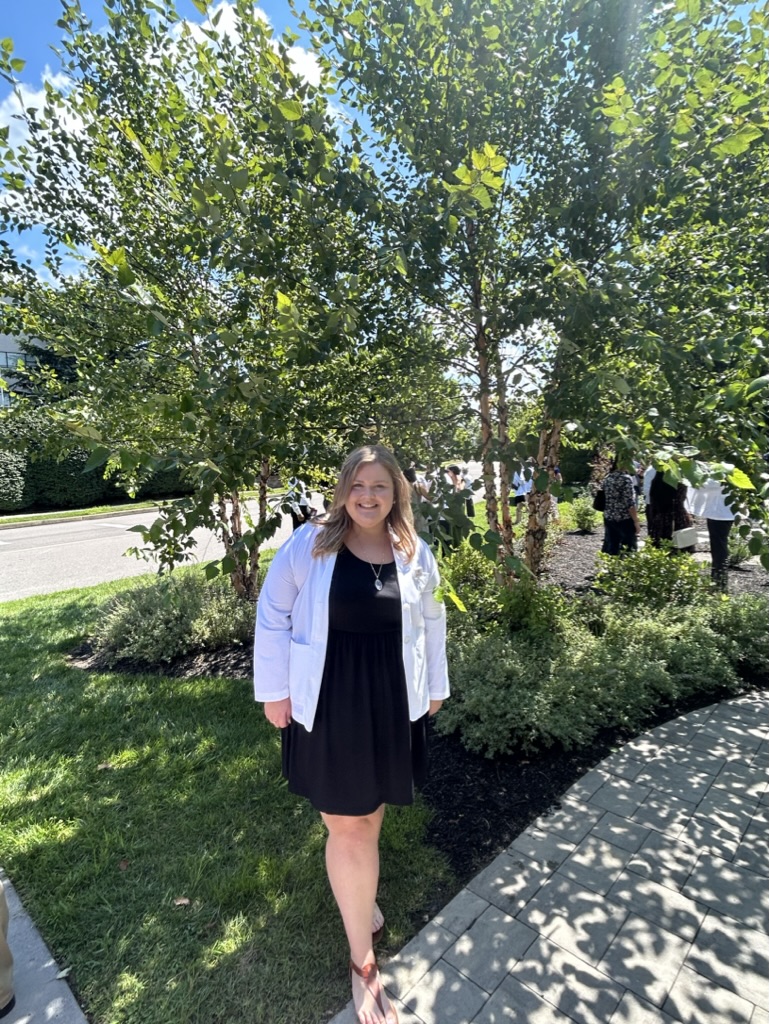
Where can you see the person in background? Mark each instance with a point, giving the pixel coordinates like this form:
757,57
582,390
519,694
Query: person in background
620,514
299,501
637,478
522,487
462,486
350,661
418,494
7,998
711,503
667,510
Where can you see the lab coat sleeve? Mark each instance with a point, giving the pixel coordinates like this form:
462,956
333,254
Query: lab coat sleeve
272,639
434,614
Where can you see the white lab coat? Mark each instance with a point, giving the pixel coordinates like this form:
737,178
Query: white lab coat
292,627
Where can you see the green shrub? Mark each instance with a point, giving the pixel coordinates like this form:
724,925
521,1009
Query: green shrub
156,622
651,578
591,610
499,692
523,691
741,624
13,474
50,480
586,518
537,609
65,484
608,681
473,577
165,483
575,464
681,640
739,551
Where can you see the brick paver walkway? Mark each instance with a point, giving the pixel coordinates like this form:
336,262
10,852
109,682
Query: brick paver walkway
643,900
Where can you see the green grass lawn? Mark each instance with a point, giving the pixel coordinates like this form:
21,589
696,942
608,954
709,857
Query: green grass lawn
149,833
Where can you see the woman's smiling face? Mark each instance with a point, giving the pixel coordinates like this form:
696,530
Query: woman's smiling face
371,496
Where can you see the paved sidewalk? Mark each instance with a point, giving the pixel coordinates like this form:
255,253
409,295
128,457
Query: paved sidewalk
42,995
643,900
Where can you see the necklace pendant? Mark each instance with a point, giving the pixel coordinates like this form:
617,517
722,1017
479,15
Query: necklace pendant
378,584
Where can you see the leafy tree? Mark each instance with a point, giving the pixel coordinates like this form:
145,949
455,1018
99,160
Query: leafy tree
203,185
537,155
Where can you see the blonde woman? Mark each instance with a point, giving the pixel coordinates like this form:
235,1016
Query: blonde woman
350,661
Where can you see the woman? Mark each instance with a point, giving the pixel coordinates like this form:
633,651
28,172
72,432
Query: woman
620,516
667,510
350,660
711,501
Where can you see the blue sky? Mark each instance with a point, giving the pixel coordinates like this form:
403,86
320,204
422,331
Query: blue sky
32,26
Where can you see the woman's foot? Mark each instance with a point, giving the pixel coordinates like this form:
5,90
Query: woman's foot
369,997
377,924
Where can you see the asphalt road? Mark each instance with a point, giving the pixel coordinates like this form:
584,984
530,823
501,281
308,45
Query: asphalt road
48,557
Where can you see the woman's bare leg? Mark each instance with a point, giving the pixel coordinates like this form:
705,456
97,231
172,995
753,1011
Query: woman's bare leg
352,863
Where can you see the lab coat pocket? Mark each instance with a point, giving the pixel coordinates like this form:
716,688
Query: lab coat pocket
299,663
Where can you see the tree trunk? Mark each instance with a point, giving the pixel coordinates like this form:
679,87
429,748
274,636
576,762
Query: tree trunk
243,573
484,404
540,502
503,437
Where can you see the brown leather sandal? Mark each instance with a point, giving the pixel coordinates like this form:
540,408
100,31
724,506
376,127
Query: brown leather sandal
369,972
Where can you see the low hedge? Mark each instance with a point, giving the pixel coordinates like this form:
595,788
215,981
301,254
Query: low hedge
531,668
31,479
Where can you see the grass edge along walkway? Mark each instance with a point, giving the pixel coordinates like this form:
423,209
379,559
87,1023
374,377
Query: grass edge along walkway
149,833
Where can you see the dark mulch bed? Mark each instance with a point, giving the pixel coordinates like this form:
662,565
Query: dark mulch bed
480,805
573,564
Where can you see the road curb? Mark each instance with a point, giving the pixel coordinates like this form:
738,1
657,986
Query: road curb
76,519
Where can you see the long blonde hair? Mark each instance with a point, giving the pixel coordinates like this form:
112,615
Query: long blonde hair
400,518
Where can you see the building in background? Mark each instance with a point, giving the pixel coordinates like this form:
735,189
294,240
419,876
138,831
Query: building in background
10,356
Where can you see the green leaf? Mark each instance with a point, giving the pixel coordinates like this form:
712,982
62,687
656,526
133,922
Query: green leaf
739,142
125,275
739,479
202,5
757,385
480,192
97,458
292,110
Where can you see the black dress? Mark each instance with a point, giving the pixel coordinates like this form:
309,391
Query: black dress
363,750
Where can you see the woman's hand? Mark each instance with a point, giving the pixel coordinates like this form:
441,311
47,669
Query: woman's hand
435,707
278,712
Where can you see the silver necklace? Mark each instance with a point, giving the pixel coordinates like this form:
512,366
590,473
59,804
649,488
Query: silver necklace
377,582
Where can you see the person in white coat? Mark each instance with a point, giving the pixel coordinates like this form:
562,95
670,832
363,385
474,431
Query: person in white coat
711,502
350,661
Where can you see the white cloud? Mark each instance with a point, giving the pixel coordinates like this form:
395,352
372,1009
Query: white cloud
26,96
305,64
304,61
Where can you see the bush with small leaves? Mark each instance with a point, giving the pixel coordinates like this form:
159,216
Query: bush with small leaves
586,519
472,575
740,622
498,691
739,551
154,623
651,578
538,609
